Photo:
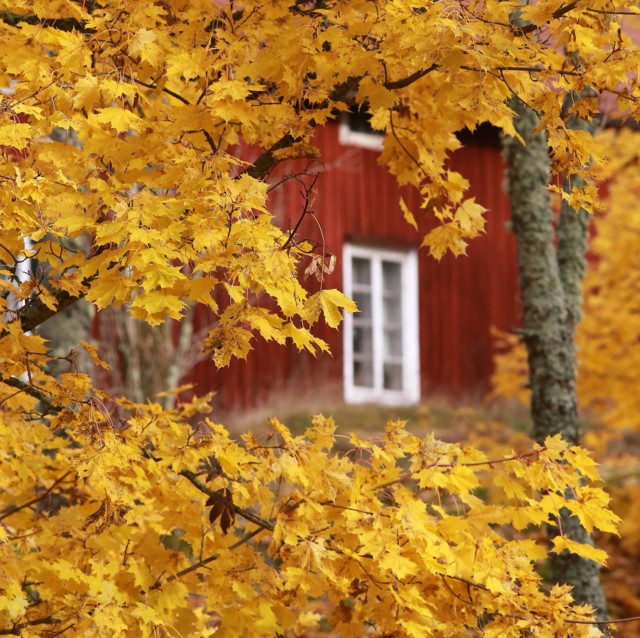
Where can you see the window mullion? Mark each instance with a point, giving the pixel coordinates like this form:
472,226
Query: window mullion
348,340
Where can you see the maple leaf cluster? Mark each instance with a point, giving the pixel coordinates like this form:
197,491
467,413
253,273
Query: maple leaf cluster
393,534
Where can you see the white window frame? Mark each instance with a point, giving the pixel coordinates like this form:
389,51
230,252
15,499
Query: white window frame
410,393
348,137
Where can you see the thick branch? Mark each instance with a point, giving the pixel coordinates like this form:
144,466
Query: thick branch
31,390
36,312
401,84
265,162
17,629
62,24
558,13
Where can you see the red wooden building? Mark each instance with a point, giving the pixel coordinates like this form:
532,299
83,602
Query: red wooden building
424,326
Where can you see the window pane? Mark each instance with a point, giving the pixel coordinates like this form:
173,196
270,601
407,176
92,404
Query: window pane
362,325
363,373
361,122
392,276
363,299
363,341
393,376
361,269
392,343
392,309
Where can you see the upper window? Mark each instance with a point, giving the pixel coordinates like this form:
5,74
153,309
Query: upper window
381,346
355,130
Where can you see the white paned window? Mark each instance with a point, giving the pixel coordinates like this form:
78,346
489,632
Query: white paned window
381,344
355,130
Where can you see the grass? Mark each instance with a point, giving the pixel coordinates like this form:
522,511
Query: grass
450,419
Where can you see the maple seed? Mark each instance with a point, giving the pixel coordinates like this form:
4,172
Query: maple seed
221,503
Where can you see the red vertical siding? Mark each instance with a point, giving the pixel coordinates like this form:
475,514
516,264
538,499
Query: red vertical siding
460,298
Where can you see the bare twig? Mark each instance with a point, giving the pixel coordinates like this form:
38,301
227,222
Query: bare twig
404,148
248,536
603,622
488,463
147,85
308,197
614,13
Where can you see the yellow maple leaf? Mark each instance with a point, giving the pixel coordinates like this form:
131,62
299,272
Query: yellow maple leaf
266,620
16,135
444,238
154,306
224,343
330,303
408,215
586,550
591,507
400,566
119,119
92,351
145,44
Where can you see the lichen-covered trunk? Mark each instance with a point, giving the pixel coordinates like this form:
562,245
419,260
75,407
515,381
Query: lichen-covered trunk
550,289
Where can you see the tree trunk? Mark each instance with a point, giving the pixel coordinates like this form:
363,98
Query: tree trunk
551,290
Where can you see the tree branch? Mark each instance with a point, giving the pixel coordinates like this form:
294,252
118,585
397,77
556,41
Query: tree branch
12,509
265,162
31,390
614,13
603,622
248,536
62,24
34,313
558,13
154,87
401,84
247,514
17,628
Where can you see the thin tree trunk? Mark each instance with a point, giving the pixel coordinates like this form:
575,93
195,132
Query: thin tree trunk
550,289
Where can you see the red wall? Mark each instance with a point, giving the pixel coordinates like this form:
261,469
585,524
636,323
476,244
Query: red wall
460,298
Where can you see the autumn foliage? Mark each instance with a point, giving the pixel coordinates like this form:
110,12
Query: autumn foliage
124,127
